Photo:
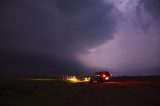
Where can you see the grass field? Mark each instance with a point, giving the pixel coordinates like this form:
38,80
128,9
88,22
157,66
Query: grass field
155,79
49,92
39,93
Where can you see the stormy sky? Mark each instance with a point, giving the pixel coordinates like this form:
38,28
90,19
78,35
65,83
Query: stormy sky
59,37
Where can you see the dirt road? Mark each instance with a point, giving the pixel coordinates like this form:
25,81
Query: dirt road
122,94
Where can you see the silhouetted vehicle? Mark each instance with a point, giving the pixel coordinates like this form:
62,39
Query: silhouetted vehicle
100,77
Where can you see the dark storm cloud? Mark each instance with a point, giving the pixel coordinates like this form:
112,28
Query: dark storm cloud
30,64
153,7
148,13
57,28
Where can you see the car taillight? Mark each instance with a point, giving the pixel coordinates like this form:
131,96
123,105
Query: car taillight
103,75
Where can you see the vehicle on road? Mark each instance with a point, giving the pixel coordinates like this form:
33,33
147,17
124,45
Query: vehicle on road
100,77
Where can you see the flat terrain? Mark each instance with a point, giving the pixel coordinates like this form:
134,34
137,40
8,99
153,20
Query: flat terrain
60,93
122,94
38,93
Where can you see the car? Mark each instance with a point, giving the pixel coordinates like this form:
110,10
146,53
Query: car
100,77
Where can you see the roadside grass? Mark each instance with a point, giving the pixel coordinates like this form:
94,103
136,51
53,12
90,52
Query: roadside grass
154,79
39,93
17,92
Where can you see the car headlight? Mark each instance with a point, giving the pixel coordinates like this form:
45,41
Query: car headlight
107,78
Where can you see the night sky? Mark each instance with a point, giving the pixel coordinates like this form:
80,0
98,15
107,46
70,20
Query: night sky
79,37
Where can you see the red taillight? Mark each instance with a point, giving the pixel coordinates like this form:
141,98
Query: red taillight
104,75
